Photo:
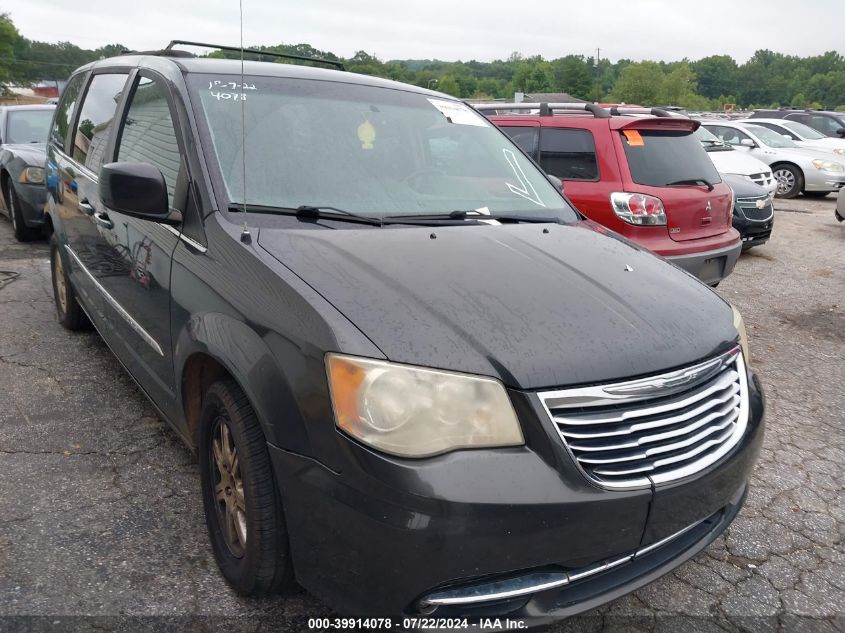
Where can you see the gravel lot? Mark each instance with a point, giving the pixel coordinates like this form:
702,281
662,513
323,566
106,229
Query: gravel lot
101,525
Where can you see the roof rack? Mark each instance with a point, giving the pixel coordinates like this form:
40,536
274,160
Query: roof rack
546,109
255,51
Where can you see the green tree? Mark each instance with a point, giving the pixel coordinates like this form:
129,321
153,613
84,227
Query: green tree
799,101
572,75
678,87
9,42
640,83
449,85
716,75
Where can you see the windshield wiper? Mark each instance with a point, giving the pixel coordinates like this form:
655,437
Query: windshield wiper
691,181
309,212
460,217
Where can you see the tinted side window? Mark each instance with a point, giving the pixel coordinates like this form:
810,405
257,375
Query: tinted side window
801,118
569,154
525,137
729,135
825,124
95,119
148,134
64,111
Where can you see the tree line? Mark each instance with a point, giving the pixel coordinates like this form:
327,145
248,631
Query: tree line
767,79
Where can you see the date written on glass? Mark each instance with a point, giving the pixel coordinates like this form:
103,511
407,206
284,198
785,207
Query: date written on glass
231,85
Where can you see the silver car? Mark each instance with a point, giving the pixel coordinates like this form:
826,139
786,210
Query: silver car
813,171
803,135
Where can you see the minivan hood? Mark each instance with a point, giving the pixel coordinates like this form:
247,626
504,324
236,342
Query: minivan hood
534,309
737,162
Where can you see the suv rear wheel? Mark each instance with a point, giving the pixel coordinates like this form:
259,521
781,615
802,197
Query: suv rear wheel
243,510
790,180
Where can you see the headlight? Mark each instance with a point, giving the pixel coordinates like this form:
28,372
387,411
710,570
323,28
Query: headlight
418,412
739,324
32,175
828,165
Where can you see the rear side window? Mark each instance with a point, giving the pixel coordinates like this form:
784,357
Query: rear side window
660,158
64,111
825,124
95,119
525,137
569,154
148,134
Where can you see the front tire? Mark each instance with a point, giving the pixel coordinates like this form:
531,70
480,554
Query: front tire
22,232
68,309
790,181
243,510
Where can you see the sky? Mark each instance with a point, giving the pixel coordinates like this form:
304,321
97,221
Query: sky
451,29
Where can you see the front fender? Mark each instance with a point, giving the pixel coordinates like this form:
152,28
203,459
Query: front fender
249,360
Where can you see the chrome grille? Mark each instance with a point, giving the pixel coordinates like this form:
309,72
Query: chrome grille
653,430
750,210
764,178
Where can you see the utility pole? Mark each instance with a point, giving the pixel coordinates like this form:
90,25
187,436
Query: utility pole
597,88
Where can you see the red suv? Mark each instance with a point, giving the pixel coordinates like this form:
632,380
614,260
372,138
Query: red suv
645,177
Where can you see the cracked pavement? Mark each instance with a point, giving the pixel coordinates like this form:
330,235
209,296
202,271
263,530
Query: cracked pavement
101,524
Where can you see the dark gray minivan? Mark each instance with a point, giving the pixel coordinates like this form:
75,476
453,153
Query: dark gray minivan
417,380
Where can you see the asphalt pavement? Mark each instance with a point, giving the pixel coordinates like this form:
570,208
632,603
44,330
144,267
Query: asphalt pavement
101,523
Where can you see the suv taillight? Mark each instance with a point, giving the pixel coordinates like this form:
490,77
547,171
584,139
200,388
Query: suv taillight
638,208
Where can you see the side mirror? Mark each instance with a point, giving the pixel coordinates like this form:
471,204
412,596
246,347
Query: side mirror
136,189
747,142
841,132
557,182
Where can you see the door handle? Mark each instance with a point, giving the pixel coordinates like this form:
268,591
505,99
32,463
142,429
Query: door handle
103,220
85,207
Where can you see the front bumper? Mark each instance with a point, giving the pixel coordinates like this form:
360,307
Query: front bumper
31,199
753,233
382,536
709,266
817,180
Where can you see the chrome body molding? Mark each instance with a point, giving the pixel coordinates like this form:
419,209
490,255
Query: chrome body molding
534,582
148,339
190,242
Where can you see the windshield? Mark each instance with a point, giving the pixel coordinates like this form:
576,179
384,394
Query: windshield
28,126
770,137
804,131
367,150
660,158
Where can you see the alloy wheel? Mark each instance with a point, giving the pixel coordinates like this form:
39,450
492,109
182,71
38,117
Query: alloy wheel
228,488
785,179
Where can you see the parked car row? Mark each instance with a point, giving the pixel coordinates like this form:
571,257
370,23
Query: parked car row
418,380
807,168
644,176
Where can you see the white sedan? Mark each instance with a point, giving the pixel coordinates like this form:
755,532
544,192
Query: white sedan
803,135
